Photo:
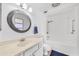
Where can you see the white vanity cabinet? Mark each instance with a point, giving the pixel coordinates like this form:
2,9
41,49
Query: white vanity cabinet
28,47
39,52
36,50
31,50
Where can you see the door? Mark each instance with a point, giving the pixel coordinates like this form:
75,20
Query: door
62,31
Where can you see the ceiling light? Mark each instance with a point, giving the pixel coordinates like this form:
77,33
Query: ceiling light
30,9
55,4
24,6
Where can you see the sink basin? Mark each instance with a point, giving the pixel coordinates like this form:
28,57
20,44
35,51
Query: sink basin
23,42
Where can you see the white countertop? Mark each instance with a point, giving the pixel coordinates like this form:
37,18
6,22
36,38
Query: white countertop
11,48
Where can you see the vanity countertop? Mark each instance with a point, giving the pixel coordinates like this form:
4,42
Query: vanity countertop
11,48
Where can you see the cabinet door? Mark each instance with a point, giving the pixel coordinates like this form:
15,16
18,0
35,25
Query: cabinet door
39,51
30,51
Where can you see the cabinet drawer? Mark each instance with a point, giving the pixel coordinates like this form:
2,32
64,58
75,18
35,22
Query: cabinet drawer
39,52
40,44
30,51
20,54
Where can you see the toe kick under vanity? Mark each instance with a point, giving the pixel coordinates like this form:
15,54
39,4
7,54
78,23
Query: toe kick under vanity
29,46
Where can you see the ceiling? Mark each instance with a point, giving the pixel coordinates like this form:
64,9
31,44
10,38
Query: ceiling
40,6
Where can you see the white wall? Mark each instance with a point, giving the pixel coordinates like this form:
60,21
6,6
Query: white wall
41,23
38,19
7,33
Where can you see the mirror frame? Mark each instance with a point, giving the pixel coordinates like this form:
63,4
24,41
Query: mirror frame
10,22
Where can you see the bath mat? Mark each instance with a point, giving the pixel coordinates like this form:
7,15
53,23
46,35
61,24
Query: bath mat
56,53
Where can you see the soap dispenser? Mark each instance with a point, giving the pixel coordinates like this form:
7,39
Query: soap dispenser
35,30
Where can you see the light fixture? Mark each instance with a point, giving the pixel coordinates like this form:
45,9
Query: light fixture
24,6
55,4
30,9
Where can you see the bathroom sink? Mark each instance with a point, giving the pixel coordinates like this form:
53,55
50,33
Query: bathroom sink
22,42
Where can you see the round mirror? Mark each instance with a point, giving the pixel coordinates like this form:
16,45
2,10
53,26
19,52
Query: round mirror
19,21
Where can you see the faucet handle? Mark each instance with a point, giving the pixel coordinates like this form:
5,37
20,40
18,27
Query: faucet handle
22,39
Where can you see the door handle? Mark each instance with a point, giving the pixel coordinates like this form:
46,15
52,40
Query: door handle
73,24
